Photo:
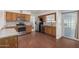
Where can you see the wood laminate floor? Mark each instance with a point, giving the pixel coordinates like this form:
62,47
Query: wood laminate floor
67,43
36,40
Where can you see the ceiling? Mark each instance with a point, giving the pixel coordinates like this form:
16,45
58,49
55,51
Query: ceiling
34,12
39,11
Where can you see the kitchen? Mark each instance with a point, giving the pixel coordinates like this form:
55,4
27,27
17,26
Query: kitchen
27,29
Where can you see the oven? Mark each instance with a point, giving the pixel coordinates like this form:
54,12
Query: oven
21,28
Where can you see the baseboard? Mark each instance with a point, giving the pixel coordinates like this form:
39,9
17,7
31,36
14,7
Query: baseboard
72,39
60,38
76,39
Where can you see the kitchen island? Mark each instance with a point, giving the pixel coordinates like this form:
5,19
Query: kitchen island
8,38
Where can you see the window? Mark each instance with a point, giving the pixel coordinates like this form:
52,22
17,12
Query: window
50,18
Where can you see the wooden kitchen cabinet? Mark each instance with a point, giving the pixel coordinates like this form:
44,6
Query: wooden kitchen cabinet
14,16
53,31
13,41
22,16
27,17
18,14
8,16
50,30
28,28
9,42
46,29
11,16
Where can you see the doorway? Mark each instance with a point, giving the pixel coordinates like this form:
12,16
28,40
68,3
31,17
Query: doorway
69,24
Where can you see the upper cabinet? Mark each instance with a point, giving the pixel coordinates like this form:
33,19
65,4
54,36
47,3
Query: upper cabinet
14,16
27,17
11,16
8,16
22,16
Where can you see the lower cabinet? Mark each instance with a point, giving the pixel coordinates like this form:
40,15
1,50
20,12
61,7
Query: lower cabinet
28,28
9,42
53,31
50,30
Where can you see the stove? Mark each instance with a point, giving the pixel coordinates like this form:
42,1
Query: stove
21,28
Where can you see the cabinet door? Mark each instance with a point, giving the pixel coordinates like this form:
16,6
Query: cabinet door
28,28
12,41
9,42
45,29
18,15
14,16
49,30
4,43
23,16
8,16
54,31
27,17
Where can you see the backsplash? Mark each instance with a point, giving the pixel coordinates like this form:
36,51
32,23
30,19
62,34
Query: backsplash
8,24
50,23
11,24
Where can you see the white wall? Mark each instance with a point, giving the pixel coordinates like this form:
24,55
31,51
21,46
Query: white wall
17,11
58,24
32,20
2,19
47,12
37,23
26,12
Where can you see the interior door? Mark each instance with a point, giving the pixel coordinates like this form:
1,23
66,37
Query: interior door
69,24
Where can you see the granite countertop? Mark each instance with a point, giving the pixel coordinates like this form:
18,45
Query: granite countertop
8,32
